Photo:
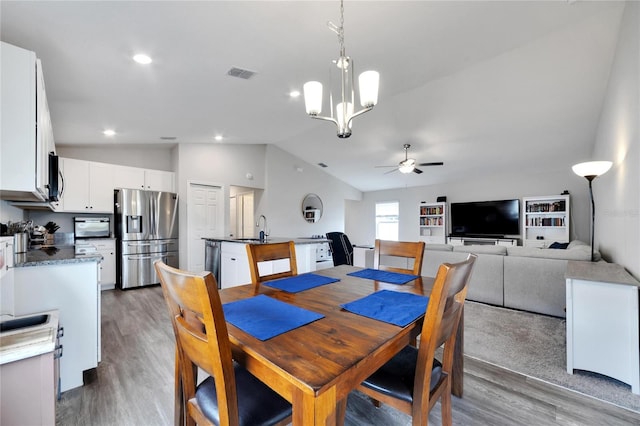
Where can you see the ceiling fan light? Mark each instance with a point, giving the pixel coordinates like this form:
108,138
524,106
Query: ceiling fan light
368,83
407,166
313,97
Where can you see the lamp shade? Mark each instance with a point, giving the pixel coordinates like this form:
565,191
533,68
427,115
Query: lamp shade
344,110
368,83
592,168
313,97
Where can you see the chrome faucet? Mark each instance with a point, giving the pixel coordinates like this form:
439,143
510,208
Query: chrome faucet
263,232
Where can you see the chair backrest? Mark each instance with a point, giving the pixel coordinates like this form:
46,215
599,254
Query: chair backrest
341,248
441,323
402,249
259,253
201,334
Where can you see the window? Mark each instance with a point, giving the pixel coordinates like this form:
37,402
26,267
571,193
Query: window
387,220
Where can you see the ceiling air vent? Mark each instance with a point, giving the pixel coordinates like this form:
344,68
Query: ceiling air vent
322,165
168,138
240,73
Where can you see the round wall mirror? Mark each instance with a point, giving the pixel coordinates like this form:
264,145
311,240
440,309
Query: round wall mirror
311,208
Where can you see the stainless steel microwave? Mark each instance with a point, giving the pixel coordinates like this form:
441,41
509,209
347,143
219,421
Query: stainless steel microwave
91,227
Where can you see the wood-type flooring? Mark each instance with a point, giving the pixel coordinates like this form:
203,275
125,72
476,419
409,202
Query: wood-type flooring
133,385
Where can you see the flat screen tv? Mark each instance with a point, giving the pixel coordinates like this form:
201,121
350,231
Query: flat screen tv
485,218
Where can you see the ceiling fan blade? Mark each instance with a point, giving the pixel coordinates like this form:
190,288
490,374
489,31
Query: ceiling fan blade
417,171
391,171
437,163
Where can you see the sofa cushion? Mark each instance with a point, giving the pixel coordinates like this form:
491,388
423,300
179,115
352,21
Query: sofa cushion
482,249
577,243
438,247
576,253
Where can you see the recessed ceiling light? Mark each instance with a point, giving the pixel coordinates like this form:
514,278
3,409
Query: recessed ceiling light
109,132
142,59
294,93
218,138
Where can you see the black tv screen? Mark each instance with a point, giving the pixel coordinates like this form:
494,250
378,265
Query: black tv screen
485,218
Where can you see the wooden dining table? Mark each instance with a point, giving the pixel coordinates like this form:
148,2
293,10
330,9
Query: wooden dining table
316,366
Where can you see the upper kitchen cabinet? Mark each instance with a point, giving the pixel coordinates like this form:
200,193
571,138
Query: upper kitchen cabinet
88,186
137,178
25,127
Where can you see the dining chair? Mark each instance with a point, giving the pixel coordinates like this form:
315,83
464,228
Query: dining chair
230,395
413,380
259,253
399,249
341,248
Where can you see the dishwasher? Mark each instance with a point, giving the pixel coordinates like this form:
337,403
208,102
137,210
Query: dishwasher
212,258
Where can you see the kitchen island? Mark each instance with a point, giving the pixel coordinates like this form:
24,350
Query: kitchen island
311,254
55,278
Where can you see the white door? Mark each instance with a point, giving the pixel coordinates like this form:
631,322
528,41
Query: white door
248,227
205,213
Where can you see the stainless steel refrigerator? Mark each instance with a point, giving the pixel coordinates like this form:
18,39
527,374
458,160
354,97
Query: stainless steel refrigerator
146,225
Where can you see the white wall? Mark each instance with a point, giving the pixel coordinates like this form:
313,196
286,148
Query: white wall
617,193
360,216
8,213
288,180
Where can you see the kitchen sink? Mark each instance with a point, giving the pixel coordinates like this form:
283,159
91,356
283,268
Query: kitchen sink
23,322
255,240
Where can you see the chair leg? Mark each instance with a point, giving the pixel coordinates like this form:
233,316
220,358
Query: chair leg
445,404
341,411
179,403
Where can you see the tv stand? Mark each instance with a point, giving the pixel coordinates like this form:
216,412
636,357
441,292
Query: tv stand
491,241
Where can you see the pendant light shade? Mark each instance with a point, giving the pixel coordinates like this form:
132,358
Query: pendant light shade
368,83
313,97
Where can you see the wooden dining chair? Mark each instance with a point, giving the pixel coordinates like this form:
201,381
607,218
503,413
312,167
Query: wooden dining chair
399,249
413,380
230,395
259,253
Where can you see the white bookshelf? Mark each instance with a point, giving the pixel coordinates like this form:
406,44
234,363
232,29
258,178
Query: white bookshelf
433,222
546,220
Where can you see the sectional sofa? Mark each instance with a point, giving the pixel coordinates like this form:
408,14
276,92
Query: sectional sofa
526,278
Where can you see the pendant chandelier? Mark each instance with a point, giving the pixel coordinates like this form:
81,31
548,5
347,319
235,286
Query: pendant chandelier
342,113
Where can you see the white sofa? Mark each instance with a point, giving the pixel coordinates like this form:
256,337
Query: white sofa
526,278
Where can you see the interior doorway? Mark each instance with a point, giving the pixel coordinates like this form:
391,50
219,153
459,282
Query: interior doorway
205,218
241,212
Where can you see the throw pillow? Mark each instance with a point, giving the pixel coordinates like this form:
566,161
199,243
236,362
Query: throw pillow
558,245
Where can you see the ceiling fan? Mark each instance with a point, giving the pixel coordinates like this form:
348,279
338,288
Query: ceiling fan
408,165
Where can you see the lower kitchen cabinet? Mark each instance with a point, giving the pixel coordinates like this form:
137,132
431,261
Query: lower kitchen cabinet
72,289
107,248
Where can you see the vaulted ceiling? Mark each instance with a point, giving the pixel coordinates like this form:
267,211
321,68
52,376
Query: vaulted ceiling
483,86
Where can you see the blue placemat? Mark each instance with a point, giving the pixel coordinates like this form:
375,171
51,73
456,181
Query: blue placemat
386,276
389,306
300,282
264,317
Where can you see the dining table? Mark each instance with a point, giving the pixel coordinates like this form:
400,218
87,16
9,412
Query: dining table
317,365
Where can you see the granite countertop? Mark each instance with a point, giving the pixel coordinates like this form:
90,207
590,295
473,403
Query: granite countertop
28,342
269,240
52,256
601,272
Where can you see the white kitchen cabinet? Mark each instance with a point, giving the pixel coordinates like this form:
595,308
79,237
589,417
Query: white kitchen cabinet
72,289
138,178
88,186
234,267
26,137
107,248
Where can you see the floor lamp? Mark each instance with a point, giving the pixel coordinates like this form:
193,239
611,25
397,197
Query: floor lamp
591,170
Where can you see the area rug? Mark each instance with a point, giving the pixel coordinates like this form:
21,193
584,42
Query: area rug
535,345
